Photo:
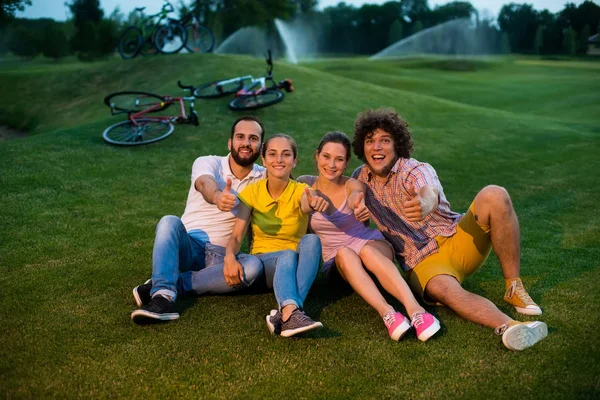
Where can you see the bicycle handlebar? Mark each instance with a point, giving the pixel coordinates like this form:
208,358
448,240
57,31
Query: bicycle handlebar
185,87
168,7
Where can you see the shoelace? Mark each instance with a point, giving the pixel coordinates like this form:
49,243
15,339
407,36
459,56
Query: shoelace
517,288
417,319
389,319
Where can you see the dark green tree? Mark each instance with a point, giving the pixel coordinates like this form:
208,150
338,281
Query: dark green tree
539,39
520,22
24,42
570,41
504,43
396,32
54,43
417,27
8,8
582,40
452,10
94,37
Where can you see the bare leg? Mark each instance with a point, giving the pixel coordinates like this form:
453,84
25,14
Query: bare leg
287,311
494,209
350,267
377,257
446,290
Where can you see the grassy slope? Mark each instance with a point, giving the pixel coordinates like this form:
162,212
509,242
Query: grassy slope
78,220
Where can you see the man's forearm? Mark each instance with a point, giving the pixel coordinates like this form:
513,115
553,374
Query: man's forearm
208,188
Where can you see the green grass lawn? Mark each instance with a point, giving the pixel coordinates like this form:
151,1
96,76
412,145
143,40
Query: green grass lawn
78,219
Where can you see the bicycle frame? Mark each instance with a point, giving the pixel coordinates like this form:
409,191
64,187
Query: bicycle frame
148,32
183,117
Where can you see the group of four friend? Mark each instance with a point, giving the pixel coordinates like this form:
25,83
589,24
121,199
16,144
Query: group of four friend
437,248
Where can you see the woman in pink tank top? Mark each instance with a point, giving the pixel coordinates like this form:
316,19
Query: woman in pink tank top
352,249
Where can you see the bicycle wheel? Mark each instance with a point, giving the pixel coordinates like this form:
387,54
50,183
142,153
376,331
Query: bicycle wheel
199,39
252,102
214,89
132,101
170,38
130,42
143,131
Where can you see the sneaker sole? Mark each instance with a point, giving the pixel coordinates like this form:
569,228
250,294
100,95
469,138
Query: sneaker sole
269,324
142,317
529,311
522,336
429,332
400,331
292,332
136,295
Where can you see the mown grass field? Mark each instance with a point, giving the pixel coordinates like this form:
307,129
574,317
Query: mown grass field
78,218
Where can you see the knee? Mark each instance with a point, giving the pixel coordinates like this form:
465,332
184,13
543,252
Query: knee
495,195
253,268
168,224
367,252
310,242
441,286
344,258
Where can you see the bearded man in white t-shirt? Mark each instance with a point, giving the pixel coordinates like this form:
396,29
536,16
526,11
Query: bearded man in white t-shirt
188,252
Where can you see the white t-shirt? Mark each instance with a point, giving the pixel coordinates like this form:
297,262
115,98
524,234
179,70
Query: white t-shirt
201,215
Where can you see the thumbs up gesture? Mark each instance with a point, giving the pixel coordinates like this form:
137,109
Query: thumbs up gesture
417,208
225,200
315,202
361,212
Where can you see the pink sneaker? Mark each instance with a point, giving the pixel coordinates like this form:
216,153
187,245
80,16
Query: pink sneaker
397,324
425,324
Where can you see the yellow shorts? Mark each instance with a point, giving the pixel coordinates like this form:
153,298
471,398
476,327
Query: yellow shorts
459,255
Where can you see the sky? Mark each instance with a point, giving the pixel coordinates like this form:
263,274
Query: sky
56,9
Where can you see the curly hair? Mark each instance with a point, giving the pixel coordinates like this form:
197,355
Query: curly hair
388,120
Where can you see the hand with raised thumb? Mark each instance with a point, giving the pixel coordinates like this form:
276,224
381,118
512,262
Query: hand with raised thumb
315,202
361,212
416,208
225,200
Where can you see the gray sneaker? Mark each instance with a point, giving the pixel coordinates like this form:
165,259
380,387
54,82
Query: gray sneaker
297,323
274,322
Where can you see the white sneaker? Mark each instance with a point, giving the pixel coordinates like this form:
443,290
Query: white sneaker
521,335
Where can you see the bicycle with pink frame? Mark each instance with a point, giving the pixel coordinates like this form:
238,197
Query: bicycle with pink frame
143,126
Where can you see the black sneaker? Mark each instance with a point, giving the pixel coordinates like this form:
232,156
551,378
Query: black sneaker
297,323
141,293
158,309
274,322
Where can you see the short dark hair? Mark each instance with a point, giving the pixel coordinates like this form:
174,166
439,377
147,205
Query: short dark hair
388,120
336,137
249,118
290,139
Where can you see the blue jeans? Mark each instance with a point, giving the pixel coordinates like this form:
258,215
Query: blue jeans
185,262
291,273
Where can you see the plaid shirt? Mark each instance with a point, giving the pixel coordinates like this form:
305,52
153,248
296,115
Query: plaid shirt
412,241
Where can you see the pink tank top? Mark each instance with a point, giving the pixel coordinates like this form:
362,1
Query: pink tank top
341,229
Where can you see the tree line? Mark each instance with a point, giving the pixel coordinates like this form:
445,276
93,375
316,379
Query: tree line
519,28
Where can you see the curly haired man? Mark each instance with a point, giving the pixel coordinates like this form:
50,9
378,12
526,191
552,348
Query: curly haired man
436,247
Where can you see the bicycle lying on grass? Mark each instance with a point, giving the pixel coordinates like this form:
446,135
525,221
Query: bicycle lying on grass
141,126
152,36
250,93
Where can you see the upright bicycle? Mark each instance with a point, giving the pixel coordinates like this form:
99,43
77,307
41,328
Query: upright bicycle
250,93
152,35
143,126
200,39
